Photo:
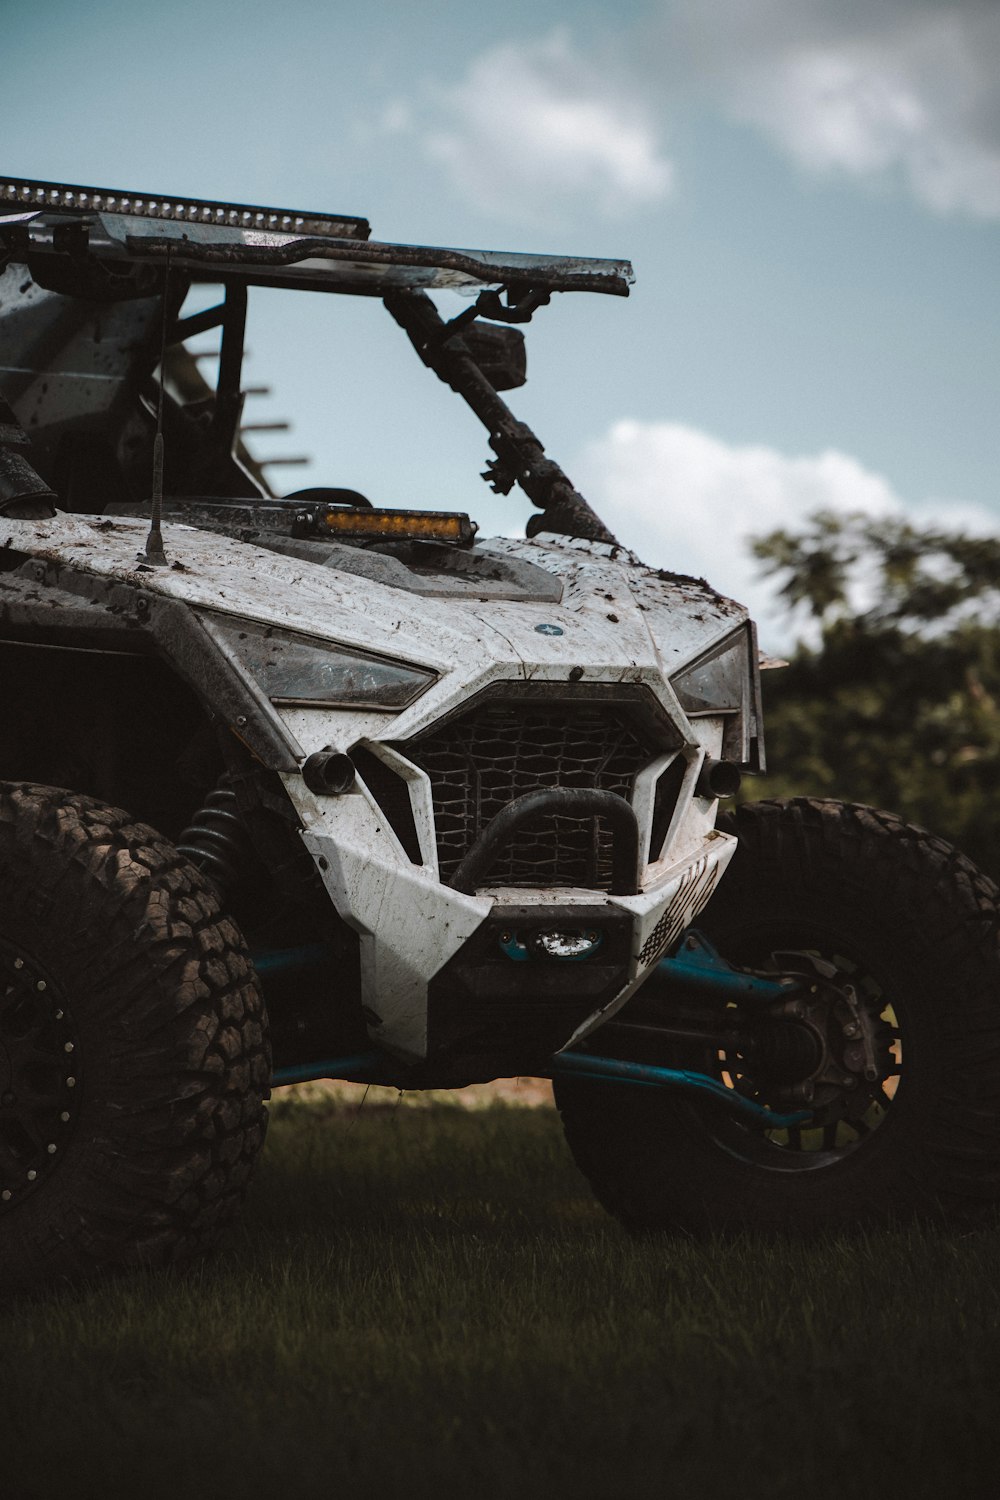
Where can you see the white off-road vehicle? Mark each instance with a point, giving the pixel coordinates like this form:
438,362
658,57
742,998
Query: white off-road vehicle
404,805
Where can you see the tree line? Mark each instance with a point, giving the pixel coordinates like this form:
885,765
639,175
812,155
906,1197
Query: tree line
893,697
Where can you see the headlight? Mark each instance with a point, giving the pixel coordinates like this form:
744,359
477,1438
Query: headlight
723,683
297,672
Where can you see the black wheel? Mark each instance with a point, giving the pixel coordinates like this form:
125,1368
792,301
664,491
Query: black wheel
893,1043
133,1051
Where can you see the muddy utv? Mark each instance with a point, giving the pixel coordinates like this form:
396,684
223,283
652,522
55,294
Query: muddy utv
347,784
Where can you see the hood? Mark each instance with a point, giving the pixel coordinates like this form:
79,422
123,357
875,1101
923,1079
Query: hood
579,608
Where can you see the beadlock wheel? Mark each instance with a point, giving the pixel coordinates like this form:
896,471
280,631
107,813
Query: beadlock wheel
851,1081
39,1075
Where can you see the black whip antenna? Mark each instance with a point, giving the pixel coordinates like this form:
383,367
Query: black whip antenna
154,553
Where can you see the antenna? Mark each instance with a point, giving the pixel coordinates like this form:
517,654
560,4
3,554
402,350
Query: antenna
154,554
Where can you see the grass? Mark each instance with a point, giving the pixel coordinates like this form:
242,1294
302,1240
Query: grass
426,1301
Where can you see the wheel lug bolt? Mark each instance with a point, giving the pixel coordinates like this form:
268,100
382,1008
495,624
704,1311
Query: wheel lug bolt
68,1047
64,1116
19,963
32,1175
5,1195
40,985
71,1083
51,1148
60,1014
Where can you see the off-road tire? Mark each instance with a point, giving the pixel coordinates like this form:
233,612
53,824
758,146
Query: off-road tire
903,906
118,971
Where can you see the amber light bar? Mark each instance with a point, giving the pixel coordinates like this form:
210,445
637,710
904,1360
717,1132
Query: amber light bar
26,195
399,525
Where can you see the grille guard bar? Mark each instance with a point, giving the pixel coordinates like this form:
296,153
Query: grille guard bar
572,801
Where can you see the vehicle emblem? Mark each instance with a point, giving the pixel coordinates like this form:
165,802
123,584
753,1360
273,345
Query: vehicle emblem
547,629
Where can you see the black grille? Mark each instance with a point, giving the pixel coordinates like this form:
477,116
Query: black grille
501,750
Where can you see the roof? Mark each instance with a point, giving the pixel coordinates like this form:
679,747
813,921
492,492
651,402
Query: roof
276,246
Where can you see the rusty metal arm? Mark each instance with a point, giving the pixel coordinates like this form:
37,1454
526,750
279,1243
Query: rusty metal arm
554,274
520,457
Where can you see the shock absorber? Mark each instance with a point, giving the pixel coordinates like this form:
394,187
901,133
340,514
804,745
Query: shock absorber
217,840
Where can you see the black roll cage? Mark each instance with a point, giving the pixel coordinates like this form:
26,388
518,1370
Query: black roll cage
111,245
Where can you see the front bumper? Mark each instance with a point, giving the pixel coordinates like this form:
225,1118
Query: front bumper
436,981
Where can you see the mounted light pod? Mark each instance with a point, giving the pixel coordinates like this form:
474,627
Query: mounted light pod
298,672
356,524
563,945
718,778
328,773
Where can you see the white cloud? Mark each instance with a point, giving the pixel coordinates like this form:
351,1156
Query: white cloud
687,501
397,118
876,90
902,87
535,130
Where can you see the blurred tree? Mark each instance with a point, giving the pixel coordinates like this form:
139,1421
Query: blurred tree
898,704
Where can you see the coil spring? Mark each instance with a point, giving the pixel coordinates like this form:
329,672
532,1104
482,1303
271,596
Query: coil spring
217,840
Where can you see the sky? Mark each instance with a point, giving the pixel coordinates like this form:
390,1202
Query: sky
809,191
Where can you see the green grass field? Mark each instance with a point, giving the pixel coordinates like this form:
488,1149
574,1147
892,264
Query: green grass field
426,1301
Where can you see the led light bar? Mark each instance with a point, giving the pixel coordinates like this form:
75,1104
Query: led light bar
393,525
24,195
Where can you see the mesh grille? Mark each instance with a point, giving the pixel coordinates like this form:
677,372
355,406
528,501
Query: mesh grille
500,751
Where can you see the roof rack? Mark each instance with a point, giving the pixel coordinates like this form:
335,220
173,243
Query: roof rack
270,246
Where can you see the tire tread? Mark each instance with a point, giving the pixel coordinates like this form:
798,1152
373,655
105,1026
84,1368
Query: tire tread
171,992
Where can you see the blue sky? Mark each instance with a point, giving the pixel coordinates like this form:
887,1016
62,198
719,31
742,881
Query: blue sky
809,191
